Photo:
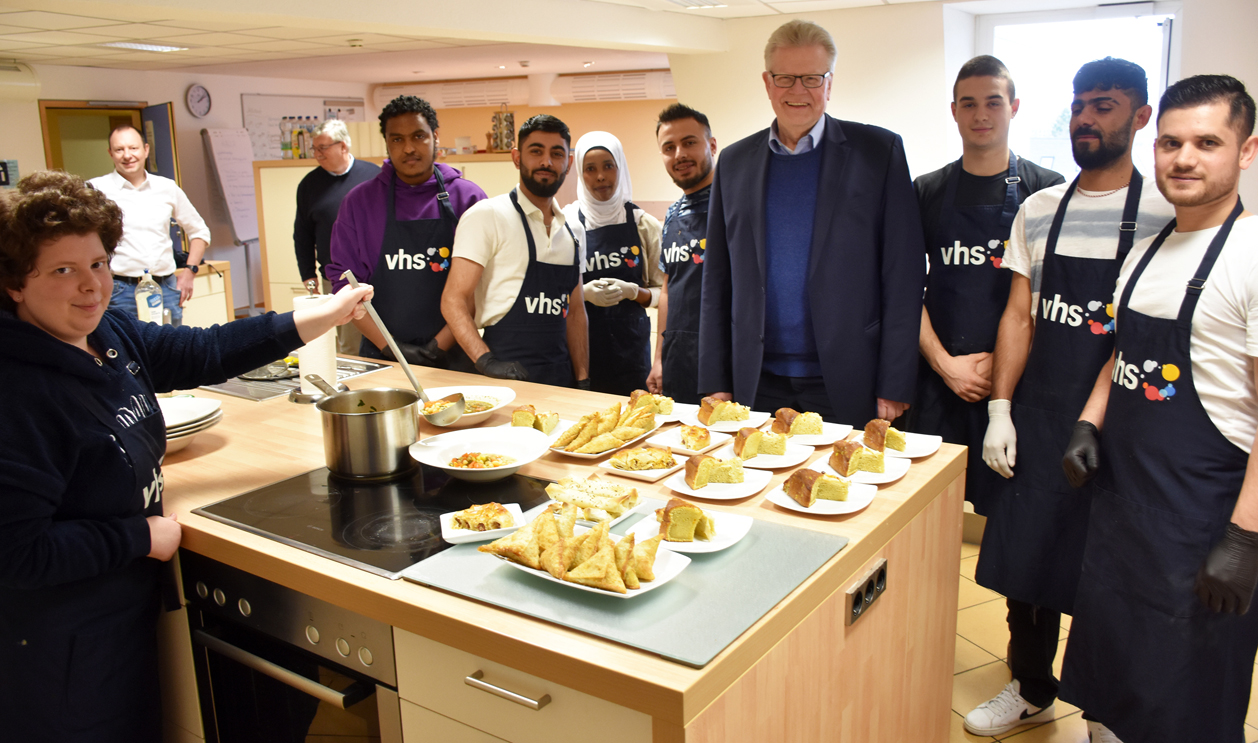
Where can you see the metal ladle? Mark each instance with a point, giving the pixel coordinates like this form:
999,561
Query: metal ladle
443,417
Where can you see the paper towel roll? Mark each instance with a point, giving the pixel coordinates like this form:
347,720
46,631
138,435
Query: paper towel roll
319,355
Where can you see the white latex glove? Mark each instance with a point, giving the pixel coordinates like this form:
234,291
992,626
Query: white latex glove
627,290
1000,444
600,293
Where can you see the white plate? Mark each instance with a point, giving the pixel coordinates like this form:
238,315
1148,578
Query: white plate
196,426
754,420
730,527
795,454
459,536
609,451
555,432
668,565
896,467
180,411
672,439
830,433
679,409
187,435
915,445
645,505
523,444
858,496
502,395
753,482
644,475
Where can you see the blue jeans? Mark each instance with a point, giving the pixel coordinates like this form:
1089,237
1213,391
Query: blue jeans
123,298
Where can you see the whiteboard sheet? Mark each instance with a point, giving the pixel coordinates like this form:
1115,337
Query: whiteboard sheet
231,155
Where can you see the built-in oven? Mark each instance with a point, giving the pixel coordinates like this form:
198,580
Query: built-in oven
277,666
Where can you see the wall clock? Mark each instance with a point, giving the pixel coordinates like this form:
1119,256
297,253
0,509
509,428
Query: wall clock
198,100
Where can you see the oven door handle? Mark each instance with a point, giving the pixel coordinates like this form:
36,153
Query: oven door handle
357,692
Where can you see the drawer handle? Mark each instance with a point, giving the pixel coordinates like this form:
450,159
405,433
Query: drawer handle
475,681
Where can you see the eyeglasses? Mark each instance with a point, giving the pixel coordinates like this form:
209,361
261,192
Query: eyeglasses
809,81
322,148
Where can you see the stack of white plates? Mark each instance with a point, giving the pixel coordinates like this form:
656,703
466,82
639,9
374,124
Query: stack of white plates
186,417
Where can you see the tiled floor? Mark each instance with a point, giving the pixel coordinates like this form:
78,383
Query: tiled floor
980,671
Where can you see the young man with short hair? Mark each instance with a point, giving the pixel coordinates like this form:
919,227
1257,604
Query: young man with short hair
397,230
516,272
689,153
1162,645
968,207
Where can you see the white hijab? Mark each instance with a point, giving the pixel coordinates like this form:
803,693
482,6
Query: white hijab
602,213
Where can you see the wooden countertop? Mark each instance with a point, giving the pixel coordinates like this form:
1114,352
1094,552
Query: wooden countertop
260,443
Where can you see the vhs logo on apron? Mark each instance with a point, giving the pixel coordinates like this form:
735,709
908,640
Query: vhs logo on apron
438,259
1130,375
686,252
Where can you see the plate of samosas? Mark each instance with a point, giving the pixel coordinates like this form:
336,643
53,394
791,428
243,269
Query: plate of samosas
605,430
553,547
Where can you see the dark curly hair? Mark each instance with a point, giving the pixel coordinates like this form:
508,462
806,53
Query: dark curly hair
48,205
408,104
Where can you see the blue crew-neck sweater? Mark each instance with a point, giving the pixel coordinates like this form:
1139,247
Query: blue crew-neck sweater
790,349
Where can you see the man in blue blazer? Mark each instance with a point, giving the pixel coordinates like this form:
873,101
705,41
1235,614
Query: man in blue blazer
813,274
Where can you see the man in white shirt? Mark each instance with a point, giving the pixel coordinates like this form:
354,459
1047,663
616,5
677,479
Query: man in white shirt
516,272
149,202
1175,510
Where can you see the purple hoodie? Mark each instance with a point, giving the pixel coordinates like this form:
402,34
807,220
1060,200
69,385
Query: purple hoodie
359,228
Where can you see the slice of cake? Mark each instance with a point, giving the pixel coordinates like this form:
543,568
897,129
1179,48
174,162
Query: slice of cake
680,520
695,438
807,486
772,443
524,416
727,471
747,443
849,457
544,422
895,439
794,423
876,434
713,410
701,470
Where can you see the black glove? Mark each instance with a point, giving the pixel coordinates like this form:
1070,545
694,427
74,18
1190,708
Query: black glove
1083,454
1226,581
429,354
584,384
491,367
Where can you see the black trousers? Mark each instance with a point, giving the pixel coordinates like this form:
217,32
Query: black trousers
805,394
1033,637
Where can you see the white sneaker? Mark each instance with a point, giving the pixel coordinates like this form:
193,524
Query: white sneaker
1006,711
1098,733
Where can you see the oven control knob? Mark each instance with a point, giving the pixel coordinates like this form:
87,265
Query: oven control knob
245,608
220,598
342,647
364,656
312,634
202,589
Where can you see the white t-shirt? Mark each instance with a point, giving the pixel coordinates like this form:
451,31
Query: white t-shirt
1089,229
146,214
490,234
1224,339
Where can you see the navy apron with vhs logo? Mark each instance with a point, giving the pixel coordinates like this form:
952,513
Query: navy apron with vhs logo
684,241
534,331
1146,657
966,292
620,335
411,272
1033,543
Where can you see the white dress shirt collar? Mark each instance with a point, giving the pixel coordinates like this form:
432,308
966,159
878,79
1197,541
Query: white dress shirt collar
806,143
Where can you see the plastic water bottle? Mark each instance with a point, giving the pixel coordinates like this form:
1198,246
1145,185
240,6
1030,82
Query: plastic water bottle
286,138
148,299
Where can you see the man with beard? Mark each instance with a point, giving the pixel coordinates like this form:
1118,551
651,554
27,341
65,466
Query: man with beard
1056,332
689,151
1177,515
516,272
396,231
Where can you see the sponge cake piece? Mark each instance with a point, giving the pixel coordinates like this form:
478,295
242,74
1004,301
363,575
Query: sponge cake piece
747,443
850,457
807,486
794,423
701,470
714,410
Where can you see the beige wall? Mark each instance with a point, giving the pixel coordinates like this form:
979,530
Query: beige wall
633,123
890,60
1219,39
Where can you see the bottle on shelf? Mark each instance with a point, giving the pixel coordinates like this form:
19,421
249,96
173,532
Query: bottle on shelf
299,141
148,299
286,138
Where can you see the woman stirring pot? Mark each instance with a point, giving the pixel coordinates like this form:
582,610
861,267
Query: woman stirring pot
621,245
82,534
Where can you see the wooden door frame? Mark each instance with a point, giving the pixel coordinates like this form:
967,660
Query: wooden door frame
45,104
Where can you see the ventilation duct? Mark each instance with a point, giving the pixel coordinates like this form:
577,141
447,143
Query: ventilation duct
615,86
531,91
513,91
18,82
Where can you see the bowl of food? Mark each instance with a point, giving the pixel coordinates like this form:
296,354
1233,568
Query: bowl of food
481,402
482,455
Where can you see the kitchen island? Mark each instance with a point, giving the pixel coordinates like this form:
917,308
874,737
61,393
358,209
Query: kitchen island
799,674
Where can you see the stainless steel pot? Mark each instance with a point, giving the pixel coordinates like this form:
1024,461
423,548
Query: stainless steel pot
367,433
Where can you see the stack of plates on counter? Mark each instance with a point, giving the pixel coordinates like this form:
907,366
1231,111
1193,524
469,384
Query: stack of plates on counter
186,417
